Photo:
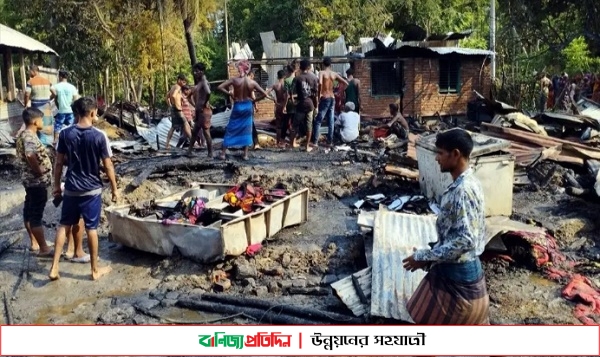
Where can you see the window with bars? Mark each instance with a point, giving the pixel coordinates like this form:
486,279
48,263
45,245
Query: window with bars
387,78
260,76
449,75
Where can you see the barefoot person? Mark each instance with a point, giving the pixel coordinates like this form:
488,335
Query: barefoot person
239,128
174,100
327,77
281,99
82,147
305,86
75,252
37,175
200,100
453,292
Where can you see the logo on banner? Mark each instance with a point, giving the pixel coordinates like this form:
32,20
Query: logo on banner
261,339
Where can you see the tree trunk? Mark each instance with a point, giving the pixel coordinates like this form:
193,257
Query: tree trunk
187,27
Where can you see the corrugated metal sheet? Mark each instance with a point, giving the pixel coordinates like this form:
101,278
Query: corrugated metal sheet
163,127
395,236
162,130
13,38
267,39
240,52
461,51
334,49
589,108
346,290
449,36
280,50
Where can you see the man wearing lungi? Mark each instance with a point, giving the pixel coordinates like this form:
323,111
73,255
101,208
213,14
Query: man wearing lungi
178,120
201,101
239,129
41,93
453,292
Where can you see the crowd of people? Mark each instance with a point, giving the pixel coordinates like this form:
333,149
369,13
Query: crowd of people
563,93
304,100
453,290
46,144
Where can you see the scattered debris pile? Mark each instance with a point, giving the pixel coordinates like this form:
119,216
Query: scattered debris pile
128,115
209,221
538,250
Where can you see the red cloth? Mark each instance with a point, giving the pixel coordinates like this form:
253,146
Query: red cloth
253,249
555,265
581,289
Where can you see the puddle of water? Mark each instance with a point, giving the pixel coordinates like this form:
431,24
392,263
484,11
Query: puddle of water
66,313
540,280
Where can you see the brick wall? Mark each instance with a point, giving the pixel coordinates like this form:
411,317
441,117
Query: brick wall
421,96
266,108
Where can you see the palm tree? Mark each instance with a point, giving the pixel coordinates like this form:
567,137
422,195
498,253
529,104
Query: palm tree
194,12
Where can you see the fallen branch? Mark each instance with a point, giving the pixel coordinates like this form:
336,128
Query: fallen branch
300,311
262,316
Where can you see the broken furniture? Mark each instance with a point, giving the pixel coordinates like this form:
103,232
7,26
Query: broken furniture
490,163
228,236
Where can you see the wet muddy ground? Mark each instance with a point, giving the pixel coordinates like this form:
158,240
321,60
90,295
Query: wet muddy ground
329,246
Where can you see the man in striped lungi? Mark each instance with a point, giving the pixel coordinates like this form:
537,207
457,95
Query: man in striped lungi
454,291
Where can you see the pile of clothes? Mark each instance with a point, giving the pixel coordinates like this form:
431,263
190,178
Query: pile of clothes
190,210
541,251
250,197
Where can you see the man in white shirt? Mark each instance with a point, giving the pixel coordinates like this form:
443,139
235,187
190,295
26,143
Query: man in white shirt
349,123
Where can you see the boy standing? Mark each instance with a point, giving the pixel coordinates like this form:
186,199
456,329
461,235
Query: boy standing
82,147
36,165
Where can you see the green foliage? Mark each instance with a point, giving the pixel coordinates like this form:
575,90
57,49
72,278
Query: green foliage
577,57
129,37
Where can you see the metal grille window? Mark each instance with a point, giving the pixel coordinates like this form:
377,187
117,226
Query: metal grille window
449,75
260,76
387,78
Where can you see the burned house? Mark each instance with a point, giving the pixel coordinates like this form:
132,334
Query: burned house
426,81
429,77
17,50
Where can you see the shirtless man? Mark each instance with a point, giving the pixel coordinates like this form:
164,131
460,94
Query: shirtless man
545,84
398,125
200,100
174,101
281,99
327,77
239,128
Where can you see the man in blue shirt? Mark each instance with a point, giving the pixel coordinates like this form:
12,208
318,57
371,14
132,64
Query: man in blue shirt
82,147
66,94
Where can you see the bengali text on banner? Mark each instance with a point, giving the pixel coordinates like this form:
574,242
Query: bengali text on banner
318,340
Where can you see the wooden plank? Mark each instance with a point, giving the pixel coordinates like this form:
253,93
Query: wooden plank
10,75
22,71
402,171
